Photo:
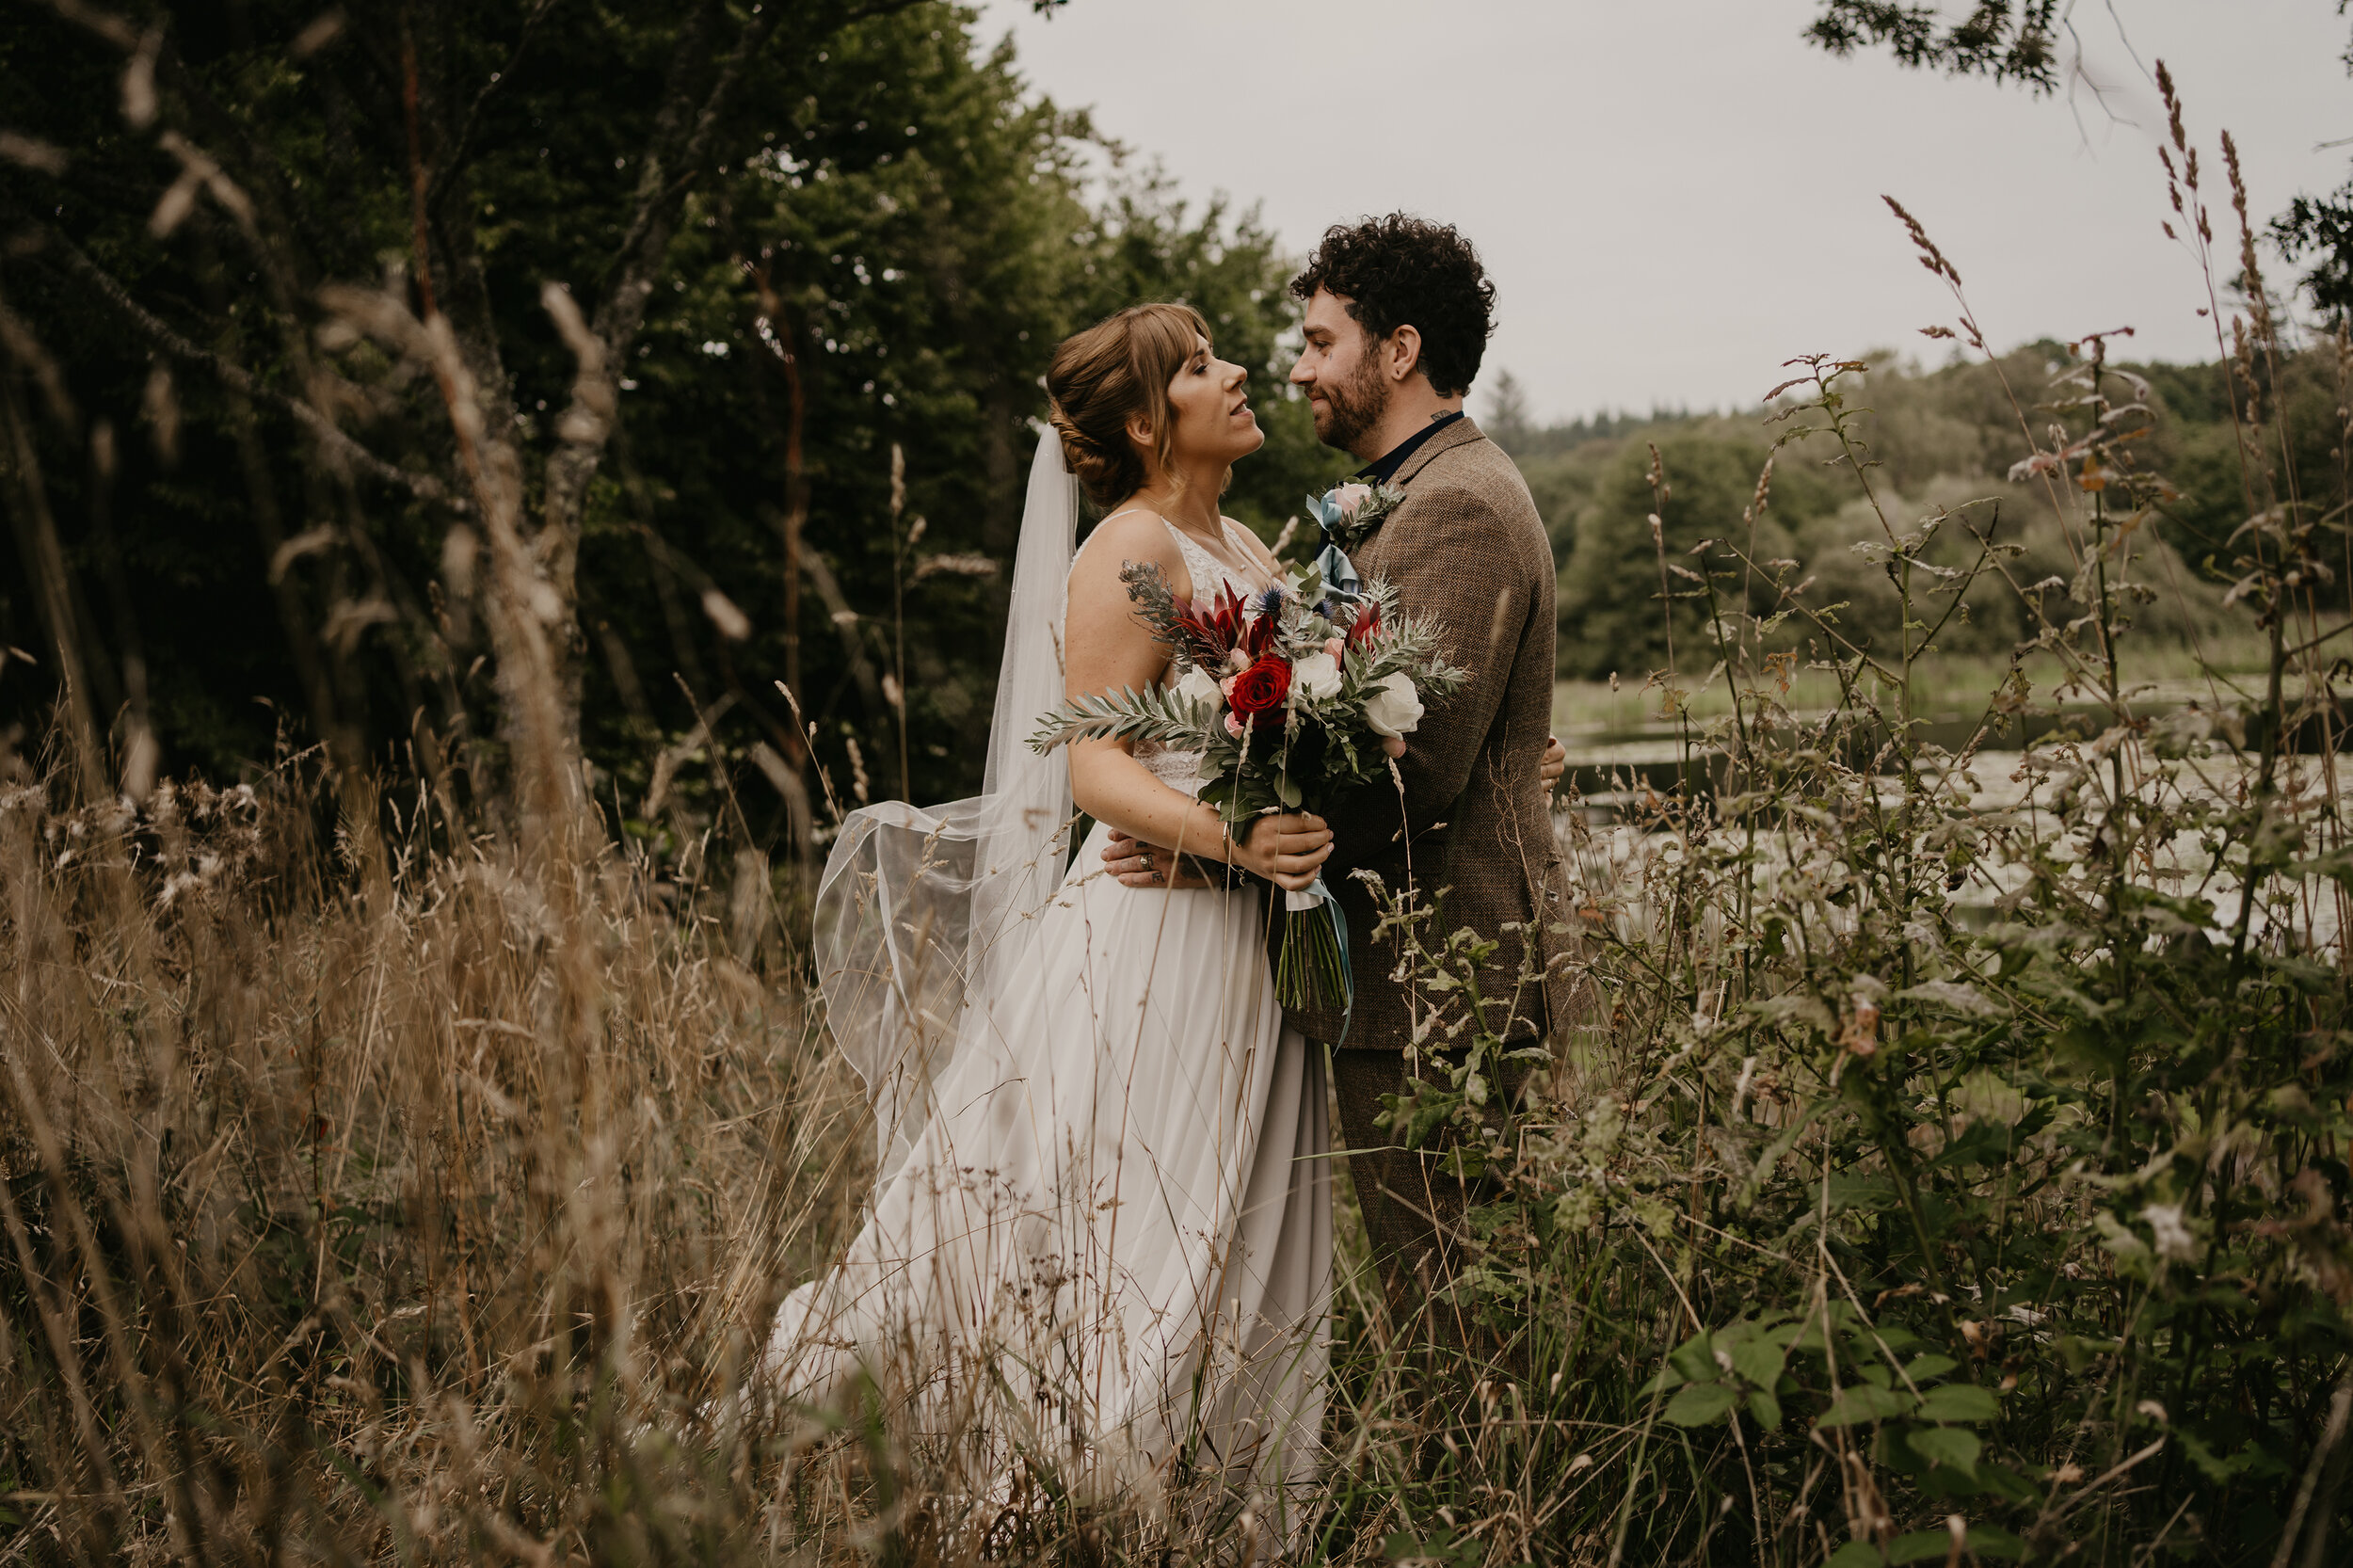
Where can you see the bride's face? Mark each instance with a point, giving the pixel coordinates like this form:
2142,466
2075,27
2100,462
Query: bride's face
1212,409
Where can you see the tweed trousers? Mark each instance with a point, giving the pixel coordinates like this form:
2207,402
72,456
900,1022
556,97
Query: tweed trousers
1413,1209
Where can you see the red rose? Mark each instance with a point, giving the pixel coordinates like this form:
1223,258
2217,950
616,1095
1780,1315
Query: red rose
1262,687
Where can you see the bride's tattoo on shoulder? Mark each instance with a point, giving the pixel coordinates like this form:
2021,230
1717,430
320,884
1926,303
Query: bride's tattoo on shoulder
1148,588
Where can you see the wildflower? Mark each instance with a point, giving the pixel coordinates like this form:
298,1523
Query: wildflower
2174,1238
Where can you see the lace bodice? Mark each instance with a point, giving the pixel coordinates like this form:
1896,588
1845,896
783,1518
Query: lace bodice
1177,769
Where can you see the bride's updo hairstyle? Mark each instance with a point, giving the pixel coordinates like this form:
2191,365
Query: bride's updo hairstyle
1115,370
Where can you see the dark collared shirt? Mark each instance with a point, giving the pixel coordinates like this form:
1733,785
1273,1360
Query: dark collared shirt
1382,469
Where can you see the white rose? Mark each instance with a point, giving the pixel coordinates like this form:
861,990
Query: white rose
1200,687
1317,676
1394,707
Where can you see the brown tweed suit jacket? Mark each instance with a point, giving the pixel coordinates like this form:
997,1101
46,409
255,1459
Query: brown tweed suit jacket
1467,549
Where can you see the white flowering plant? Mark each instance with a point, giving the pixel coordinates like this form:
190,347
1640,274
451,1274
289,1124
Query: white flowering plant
1293,696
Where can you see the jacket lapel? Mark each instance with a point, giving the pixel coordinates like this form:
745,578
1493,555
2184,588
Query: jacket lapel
1461,432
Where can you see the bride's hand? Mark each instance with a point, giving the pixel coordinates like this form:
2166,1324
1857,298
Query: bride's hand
1286,850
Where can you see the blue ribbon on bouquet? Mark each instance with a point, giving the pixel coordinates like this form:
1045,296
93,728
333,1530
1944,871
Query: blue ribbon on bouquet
1323,894
1331,563
1338,573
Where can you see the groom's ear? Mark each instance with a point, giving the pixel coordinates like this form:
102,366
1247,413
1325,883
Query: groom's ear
1400,354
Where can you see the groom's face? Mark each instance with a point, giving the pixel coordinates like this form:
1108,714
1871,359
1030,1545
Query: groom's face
1340,374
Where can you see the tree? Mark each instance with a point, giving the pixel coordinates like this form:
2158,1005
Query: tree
700,270
1508,423
1611,621
2011,40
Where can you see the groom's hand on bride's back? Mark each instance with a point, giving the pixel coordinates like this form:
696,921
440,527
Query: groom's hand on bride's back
1287,850
1137,864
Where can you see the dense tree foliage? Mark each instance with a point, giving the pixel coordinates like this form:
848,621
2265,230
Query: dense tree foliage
1943,437
798,237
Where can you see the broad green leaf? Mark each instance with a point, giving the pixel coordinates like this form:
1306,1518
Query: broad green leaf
1956,1447
1937,1545
1929,1366
1959,1401
1696,1404
1765,1409
1861,1402
1695,1359
1759,1360
1855,1554
1993,1540
1867,1192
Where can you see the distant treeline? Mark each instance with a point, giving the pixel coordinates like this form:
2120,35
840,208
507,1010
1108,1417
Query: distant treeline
1945,439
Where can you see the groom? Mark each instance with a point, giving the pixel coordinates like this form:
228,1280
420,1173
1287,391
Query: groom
1398,311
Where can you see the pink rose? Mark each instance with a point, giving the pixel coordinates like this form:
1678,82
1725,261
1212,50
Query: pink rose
1233,724
1225,688
1349,497
1334,646
1393,744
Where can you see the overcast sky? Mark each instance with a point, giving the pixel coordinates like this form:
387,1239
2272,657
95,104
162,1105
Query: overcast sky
1675,195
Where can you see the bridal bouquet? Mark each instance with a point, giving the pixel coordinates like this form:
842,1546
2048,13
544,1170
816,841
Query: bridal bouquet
1293,696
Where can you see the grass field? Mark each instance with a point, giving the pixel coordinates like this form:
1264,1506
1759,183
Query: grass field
2224,671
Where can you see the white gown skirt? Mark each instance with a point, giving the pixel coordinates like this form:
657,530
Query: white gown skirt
1110,1248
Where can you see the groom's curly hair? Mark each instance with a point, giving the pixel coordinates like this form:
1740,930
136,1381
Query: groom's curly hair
1406,271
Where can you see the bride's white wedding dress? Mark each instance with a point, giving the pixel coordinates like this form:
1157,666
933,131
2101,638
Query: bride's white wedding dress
1102,1234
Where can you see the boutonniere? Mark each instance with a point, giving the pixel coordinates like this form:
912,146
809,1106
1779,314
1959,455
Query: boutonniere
1347,512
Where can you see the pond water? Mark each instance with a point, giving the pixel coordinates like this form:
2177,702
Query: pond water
1606,828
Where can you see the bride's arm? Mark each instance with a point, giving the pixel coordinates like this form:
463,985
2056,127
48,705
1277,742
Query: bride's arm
1142,865
1107,648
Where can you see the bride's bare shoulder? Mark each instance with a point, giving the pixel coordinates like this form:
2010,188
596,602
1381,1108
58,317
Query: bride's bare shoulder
1117,541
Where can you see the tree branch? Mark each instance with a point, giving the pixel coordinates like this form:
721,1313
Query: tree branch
460,150
663,178
336,446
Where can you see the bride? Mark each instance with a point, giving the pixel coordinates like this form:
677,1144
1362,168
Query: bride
1101,1232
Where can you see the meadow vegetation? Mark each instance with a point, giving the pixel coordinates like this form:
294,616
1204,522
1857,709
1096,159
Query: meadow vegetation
400,1158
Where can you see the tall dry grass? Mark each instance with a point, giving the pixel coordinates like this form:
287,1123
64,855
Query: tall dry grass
365,1200
385,1180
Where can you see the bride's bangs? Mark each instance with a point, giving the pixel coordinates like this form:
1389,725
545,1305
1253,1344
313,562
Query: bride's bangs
1162,340
1115,370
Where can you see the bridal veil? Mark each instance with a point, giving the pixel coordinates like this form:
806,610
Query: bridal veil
927,915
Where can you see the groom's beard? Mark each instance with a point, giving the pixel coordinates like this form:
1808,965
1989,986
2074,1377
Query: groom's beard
1354,408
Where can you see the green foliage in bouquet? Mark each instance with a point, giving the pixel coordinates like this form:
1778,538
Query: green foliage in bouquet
1318,736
